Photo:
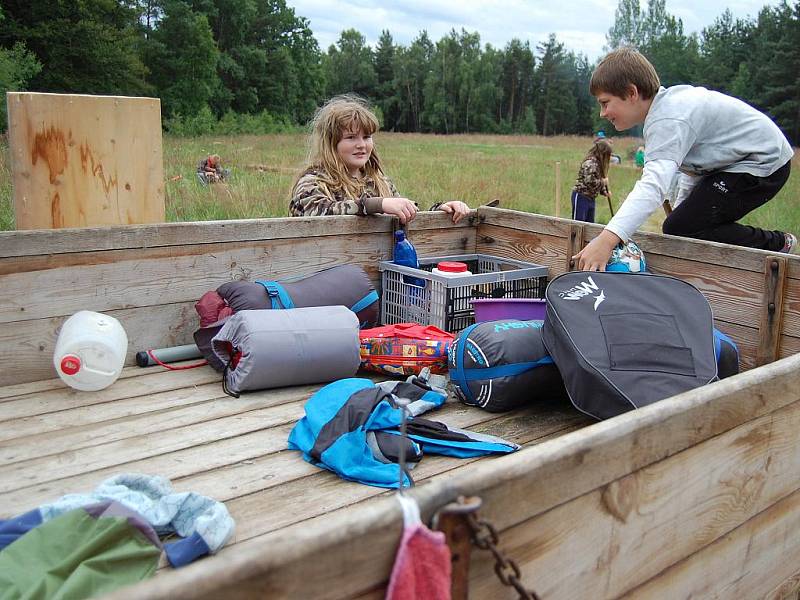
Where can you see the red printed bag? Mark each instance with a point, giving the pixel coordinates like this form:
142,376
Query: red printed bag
405,349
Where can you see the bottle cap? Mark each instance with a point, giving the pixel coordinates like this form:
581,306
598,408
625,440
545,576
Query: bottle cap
452,266
70,364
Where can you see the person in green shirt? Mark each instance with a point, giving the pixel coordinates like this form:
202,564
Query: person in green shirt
639,157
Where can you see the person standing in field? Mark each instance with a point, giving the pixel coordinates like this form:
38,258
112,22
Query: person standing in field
638,157
592,181
344,175
732,159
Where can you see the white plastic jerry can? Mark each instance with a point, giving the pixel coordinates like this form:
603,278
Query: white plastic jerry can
90,351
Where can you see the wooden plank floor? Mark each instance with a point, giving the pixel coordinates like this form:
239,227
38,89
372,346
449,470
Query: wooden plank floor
181,425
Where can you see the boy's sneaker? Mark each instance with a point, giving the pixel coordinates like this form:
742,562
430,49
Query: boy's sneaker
790,244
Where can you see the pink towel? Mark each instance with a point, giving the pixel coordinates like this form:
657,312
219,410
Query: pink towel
422,565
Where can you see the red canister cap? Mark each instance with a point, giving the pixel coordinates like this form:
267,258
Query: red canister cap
452,266
70,364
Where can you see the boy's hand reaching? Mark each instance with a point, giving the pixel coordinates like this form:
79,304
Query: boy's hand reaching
594,257
458,209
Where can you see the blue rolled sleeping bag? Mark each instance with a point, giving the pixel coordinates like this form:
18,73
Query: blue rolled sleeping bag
500,365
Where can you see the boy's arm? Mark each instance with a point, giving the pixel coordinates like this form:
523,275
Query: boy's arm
647,195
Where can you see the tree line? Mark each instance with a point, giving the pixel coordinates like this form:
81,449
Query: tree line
255,65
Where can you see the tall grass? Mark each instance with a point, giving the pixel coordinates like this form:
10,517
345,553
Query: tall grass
6,202
518,170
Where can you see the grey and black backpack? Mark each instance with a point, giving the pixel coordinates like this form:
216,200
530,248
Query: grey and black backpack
625,340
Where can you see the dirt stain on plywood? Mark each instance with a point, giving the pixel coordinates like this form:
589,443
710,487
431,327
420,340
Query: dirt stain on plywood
87,159
51,146
55,211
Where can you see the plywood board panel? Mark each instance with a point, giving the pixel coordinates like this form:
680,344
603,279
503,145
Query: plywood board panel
81,160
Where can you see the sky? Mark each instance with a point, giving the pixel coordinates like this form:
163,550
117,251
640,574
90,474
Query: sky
581,25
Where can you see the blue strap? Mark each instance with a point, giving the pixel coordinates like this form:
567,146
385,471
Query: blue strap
277,294
504,370
457,375
365,302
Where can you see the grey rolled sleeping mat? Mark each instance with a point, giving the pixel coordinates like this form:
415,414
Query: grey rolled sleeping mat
275,348
626,340
500,365
346,285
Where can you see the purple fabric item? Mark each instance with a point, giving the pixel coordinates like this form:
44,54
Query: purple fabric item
110,508
13,529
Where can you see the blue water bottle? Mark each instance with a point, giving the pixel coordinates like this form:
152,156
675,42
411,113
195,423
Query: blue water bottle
406,255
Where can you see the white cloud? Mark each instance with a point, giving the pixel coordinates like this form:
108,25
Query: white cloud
580,24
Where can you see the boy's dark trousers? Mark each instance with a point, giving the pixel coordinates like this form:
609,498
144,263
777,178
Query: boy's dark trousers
715,204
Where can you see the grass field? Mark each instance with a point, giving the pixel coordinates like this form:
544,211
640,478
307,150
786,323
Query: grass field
518,170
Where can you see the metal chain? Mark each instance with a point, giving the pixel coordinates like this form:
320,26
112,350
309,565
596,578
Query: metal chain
485,537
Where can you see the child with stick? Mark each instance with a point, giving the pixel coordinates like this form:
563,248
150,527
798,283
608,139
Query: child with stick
344,175
732,159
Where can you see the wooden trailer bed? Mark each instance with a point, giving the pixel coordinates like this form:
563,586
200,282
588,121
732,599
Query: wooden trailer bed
696,496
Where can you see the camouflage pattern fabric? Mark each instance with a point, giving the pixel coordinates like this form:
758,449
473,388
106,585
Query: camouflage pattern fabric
590,180
312,196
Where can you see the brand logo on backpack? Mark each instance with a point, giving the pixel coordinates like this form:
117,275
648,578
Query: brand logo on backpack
584,289
500,326
599,298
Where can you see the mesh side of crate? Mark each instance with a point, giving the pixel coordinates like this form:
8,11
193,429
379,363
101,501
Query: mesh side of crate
403,302
450,308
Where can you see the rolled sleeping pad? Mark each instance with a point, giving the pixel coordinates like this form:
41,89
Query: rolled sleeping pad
168,355
274,348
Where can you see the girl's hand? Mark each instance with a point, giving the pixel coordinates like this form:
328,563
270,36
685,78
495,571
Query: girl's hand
403,208
458,209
